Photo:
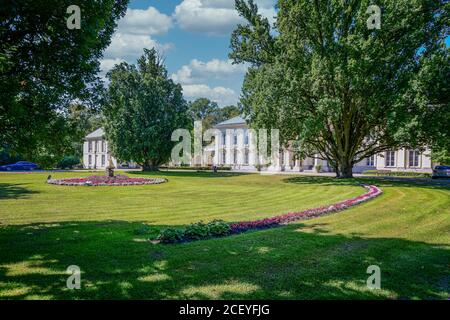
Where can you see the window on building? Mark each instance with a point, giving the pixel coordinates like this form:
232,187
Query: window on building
390,159
414,158
103,159
224,138
103,146
235,137
246,157
90,159
90,146
370,161
235,156
246,137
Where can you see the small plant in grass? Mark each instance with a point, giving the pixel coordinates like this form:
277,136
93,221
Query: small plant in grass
171,235
141,230
218,228
197,231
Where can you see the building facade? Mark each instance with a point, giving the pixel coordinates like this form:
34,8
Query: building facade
96,153
234,146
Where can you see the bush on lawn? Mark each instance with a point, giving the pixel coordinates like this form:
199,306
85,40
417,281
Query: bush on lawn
171,235
223,168
68,162
195,231
389,173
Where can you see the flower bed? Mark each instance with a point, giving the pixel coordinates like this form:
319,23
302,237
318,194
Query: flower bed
95,181
239,227
181,235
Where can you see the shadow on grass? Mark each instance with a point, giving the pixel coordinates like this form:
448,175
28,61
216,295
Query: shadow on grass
378,181
292,262
14,191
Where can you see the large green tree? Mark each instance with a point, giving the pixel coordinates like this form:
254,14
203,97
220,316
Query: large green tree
143,108
44,66
326,80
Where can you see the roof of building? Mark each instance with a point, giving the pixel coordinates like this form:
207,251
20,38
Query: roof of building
99,133
232,121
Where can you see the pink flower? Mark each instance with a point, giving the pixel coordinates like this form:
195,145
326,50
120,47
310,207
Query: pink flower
238,227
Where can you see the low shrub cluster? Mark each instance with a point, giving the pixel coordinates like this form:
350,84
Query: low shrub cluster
195,231
220,168
68,162
389,173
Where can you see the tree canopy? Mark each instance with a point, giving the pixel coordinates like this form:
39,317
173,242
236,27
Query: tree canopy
143,107
45,66
207,111
338,88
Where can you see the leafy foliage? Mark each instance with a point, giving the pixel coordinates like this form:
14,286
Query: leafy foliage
210,113
68,162
195,231
44,66
143,108
339,89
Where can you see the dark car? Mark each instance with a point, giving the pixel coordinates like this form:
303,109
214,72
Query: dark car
441,172
19,166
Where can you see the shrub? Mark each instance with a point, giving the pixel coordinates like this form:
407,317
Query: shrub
68,162
218,228
141,230
198,168
196,231
171,235
389,173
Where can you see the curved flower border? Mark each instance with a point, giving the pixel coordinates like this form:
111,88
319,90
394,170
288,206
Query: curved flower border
96,181
239,227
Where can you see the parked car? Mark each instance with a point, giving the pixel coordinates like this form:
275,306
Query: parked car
19,166
441,172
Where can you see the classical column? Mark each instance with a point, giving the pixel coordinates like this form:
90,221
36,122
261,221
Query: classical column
296,165
240,147
229,146
252,147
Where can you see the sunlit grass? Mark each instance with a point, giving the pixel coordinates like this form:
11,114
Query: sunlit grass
46,228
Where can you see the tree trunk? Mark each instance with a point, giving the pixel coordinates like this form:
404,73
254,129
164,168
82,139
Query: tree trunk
344,170
149,166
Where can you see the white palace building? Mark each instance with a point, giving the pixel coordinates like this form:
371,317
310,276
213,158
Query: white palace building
237,150
233,147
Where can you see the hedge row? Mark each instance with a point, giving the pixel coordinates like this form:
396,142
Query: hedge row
221,168
388,173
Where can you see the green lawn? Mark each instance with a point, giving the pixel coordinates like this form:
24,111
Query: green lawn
45,228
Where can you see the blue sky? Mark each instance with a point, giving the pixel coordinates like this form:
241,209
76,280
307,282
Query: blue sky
193,35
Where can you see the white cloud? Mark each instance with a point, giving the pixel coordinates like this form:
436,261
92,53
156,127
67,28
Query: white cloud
130,46
223,96
198,71
134,33
215,17
197,76
145,22
106,65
